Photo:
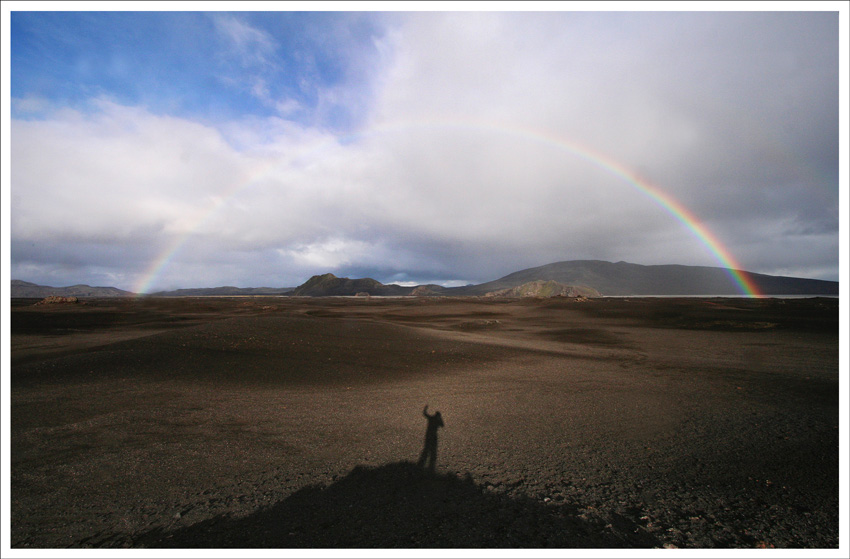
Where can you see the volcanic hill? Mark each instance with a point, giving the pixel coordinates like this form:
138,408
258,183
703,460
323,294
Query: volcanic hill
623,278
329,285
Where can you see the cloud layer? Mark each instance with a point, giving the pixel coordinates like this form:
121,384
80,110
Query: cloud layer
448,147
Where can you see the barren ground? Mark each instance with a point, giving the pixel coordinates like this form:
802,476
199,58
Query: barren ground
295,422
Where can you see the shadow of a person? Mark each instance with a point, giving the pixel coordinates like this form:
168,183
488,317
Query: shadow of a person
429,451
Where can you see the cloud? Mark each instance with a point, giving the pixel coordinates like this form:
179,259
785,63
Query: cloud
254,47
707,106
486,143
251,51
30,106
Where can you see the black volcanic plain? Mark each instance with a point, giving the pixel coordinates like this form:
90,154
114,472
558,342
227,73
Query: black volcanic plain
288,422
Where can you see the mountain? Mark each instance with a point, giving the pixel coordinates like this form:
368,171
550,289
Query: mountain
622,278
24,289
330,285
606,278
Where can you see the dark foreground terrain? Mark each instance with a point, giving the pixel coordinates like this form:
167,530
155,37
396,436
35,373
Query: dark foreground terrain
290,422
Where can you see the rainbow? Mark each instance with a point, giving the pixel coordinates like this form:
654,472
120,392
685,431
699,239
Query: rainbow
741,279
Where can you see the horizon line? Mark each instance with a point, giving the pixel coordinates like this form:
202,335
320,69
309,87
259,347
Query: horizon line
141,294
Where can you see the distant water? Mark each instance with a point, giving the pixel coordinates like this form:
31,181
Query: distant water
732,296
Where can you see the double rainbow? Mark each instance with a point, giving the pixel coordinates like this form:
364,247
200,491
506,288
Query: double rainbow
741,279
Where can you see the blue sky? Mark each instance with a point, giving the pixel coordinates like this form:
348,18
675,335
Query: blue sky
160,150
202,65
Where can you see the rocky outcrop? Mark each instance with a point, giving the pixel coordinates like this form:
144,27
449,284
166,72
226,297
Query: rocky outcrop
423,291
541,288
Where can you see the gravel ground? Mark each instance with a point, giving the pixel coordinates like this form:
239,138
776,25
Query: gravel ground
296,423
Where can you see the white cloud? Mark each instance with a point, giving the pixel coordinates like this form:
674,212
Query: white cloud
253,52
254,46
287,107
114,173
330,253
491,144
30,106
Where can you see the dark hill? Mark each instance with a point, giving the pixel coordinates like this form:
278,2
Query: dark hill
330,285
622,278
24,290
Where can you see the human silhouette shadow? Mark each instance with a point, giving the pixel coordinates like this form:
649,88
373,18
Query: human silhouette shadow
428,457
401,505
398,505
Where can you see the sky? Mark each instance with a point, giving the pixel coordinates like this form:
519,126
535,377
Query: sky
159,150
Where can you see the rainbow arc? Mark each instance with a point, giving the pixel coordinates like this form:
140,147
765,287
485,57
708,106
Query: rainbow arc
742,279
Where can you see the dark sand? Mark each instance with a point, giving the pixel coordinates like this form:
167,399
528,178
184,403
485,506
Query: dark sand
277,422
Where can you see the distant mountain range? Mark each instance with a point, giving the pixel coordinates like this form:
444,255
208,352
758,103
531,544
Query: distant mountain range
584,277
25,289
